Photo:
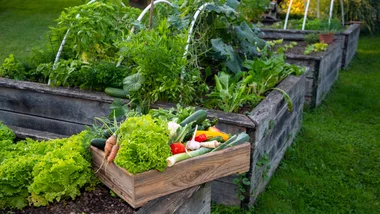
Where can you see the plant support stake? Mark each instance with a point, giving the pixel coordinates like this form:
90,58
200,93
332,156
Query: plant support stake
331,10
305,15
287,14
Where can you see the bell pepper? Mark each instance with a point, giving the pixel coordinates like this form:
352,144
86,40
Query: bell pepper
200,138
211,134
213,129
177,148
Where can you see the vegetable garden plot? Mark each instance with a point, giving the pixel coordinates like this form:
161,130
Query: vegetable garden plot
323,71
270,125
350,36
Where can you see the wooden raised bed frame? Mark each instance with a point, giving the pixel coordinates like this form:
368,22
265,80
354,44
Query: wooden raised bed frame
62,111
140,188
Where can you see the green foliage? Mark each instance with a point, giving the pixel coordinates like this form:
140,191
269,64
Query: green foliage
6,133
95,30
12,69
312,24
317,47
365,10
252,10
266,72
311,38
39,173
242,182
99,75
143,144
230,94
159,67
222,38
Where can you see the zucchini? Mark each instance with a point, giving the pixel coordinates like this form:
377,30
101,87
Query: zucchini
116,92
198,117
217,138
99,143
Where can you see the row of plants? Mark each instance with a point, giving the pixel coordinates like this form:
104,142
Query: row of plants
38,173
227,66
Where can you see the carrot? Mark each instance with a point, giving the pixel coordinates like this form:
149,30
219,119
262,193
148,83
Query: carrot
113,153
111,142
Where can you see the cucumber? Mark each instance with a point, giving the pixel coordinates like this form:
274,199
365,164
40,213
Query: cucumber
99,143
217,138
198,117
108,132
116,92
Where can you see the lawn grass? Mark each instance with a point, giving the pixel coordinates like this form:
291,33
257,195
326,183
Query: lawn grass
24,23
334,165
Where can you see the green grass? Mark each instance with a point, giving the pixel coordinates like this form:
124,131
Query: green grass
24,23
334,165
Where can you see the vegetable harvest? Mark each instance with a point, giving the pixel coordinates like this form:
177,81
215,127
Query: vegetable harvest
159,139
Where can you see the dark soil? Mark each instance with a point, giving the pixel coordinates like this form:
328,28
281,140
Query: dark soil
300,48
98,201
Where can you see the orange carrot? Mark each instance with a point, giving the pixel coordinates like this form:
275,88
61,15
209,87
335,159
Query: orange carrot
111,141
113,153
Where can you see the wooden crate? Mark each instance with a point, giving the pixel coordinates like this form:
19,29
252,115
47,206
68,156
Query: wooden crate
140,188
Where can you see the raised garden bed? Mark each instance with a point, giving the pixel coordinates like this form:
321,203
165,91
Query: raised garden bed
196,199
323,70
350,37
65,111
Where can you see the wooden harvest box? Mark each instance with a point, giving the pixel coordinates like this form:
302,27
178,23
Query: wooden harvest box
140,188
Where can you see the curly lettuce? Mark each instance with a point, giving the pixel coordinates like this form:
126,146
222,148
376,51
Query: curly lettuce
143,144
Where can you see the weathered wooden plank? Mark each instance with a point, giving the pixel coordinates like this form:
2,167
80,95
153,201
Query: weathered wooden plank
224,193
199,203
195,171
40,123
191,200
61,91
35,134
53,106
143,187
114,177
268,108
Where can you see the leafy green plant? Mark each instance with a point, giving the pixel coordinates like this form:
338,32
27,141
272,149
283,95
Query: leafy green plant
12,69
230,94
159,67
311,38
144,144
6,133
242,182
317,47
95,30
38,173
252,10
264,163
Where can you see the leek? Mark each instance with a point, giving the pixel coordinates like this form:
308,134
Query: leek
183,156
